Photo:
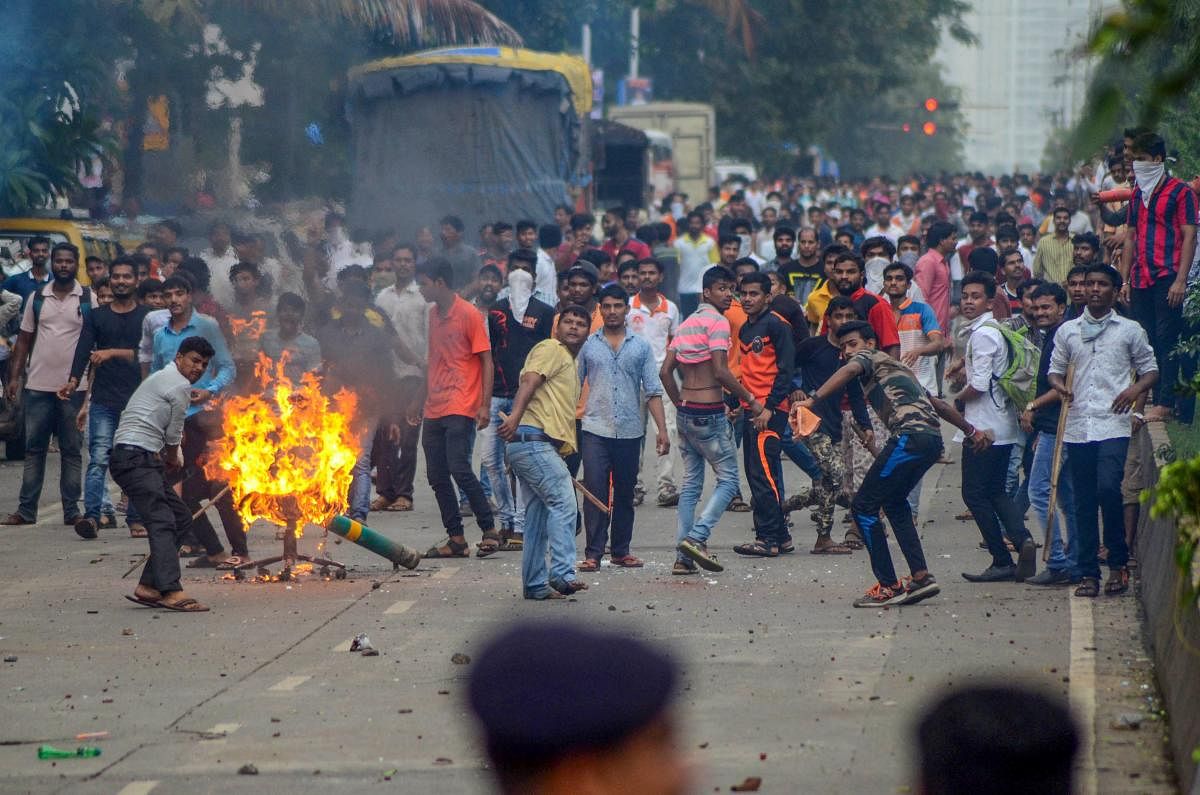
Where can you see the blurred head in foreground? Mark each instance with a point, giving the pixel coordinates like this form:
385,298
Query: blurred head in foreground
995,739
565,709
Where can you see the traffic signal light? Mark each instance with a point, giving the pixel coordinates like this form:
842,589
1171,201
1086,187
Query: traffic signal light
931,104
929,128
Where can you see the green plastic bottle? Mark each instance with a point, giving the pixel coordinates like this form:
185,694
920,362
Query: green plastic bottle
50,752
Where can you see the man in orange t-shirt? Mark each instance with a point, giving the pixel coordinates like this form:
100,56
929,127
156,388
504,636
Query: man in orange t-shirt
459,376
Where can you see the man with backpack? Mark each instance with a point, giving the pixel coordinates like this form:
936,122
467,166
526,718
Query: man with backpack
50,327
999,366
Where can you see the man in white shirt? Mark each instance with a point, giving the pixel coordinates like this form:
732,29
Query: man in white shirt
883,223
655,319
545,285
404,306
697,253
990,412
765,248
1104,349
220,256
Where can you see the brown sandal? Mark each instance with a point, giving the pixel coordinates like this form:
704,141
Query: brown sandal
138,530
1088,587
853,541
627,562
588,564
188,605
490,544
448,549
1118,582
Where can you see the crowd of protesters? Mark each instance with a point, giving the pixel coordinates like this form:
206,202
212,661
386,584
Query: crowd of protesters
833,326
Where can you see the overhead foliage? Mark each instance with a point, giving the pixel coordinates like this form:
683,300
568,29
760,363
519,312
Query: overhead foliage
48,125
1148,75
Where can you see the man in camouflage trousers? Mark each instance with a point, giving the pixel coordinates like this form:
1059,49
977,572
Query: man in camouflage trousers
818,358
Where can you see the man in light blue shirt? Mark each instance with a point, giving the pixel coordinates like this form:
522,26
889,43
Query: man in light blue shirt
621,374
184,322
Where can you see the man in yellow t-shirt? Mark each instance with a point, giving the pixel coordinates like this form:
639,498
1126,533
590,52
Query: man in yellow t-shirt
539,432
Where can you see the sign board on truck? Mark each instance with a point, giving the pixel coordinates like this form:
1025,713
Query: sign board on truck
693,130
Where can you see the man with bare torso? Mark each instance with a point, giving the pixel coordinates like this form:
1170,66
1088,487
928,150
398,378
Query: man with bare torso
700,351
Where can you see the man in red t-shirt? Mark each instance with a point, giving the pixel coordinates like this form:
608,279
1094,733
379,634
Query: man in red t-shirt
848,275
619,237
459,376
1155,261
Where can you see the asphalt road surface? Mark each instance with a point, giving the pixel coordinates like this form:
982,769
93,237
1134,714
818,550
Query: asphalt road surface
784,679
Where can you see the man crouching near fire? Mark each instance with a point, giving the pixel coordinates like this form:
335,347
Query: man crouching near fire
145,445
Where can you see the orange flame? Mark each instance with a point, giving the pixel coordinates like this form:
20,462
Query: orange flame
288,451
252,326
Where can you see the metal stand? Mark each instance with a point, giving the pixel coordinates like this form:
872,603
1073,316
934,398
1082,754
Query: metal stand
289,558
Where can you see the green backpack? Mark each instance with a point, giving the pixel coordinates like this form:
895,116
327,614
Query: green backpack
1019,379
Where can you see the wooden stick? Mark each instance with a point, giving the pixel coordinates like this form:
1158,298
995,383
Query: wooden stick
592,498
587,495
1056,462
134,566
204,506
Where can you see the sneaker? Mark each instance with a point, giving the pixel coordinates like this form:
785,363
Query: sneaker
567,588
923,588
881,595
993,573
1049,578
1026,560
684,568
700,554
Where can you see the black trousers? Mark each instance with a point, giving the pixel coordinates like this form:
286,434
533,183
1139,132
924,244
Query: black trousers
396,464
447,444
609,462
764,473
983,478
1163,325
901,464
139,473
197,488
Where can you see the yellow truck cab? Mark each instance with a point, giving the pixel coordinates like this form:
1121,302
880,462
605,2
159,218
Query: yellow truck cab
91,238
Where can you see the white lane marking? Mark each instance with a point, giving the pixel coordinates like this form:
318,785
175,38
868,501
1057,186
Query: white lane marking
343,646
1083,683
137,788
224,728
400,607
444,573
289,683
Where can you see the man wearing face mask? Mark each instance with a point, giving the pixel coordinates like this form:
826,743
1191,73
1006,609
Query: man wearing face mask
1155,261
745,232
515,324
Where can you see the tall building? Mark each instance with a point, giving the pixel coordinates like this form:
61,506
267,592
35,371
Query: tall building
1026,77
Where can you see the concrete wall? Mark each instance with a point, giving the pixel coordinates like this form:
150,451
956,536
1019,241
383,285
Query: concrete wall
1172,632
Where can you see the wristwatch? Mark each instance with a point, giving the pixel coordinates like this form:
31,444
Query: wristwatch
1139,416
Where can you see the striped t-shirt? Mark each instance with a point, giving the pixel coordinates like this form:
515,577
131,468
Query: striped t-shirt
706,330
915,323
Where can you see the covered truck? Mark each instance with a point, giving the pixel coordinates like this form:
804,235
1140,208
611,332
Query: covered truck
479,132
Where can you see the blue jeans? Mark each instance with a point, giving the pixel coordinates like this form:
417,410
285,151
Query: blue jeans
102,426
1039,498
1096,472
705,439
493,465
549,514
360,483
46,416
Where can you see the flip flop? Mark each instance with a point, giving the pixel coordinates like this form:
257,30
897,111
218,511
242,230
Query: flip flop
188,605
137,600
